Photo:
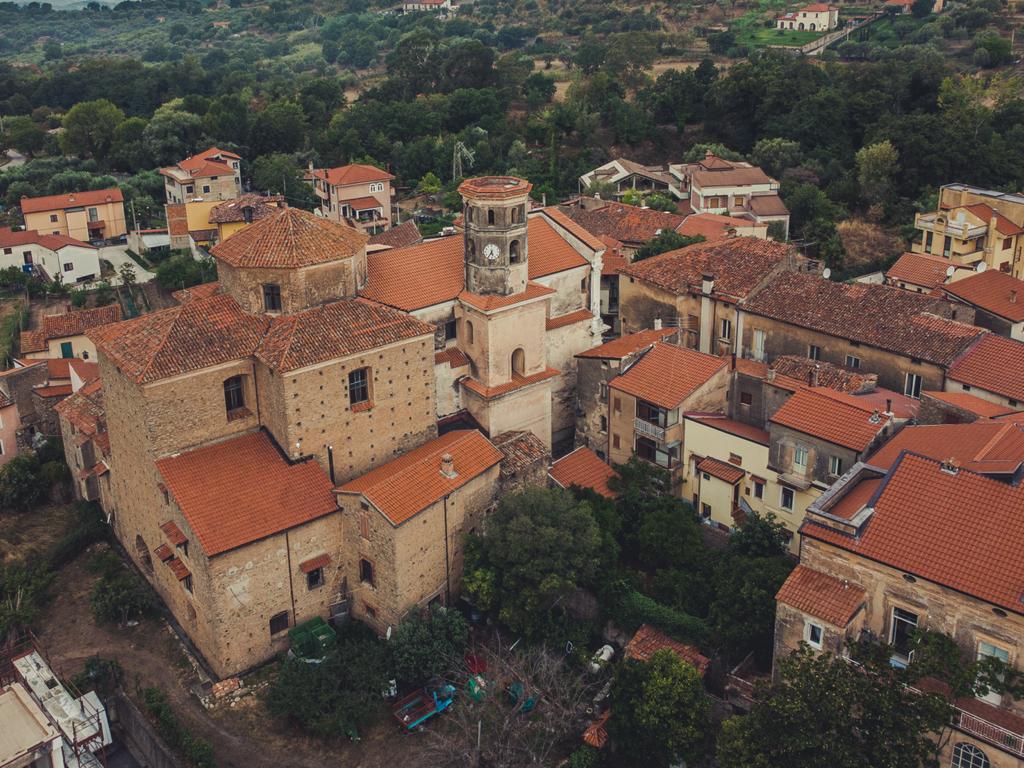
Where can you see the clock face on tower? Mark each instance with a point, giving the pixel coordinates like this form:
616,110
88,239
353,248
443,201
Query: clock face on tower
491,251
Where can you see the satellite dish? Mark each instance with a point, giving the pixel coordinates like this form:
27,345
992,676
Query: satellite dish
950,270
827,273
982,266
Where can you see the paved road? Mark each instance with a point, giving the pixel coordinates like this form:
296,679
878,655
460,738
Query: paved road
118,255
14,159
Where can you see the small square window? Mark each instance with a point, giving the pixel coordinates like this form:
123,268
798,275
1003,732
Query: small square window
279,623
69,267
53,218
852,361
315,578
272,298
835,466
746,398
814,352
758,490
813,635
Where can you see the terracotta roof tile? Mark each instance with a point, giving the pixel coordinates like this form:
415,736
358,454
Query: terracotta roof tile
308,566
986,213
32,341
992,291
356,173
612,264
173,533
732,427
584,468
667,375
242,490
363,203
402,236
727,473
882,316
971,403
85,410
334,330
520,451
289,238
596,734
589,239
73,323
71,200
739,265
735,176
712,226
571,318
178,568
983,446
453,356
201,291
995,364
975,551
195,335
409,484
626,223
517,382
647,641
921,269
52,390
802,369
492,302
549,252
234,210
14,237
831,416
822,596
616,349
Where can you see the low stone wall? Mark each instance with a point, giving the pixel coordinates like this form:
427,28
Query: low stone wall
137,733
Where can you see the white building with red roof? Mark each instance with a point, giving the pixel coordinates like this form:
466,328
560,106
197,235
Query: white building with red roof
358,193
57,258
816,17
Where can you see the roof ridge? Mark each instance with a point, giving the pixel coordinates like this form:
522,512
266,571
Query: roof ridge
159,347
996,438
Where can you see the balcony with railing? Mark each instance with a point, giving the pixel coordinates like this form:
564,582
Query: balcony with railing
963,230
975,718
647,429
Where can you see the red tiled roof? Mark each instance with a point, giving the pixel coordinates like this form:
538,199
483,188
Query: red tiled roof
724,471
234,210
409,484
520,451
549,252
739,265
195,335
975,551
173,533
402,236
822,596
993,291
85,411
453,356
616,349
612,264
995,364
355,173
433,272
335,330
242,490
571,318
584,468
647,641
986,213
290,238
54,390
587,238
803,369
364,203
626,223
58,368
921,269
517,382
308,566
737,428
712,226
831,416
67,324
879,315
14,237
491,302
201,291
971,403
71,200
596,734
983,446
667,375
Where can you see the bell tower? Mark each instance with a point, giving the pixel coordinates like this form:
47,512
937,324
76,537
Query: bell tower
494,215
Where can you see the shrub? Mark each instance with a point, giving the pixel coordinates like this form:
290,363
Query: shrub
197,751
21,487
87,527
120,595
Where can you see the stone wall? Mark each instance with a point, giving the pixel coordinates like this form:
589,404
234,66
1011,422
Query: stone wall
300,288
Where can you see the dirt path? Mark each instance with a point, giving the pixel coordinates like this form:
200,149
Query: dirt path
243,736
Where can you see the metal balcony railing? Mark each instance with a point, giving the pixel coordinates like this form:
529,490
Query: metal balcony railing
990,732
647,429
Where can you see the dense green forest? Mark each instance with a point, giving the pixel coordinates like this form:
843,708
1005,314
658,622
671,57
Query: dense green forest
870,135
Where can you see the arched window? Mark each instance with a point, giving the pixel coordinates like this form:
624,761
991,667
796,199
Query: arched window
469,332
812,26
515,216
513,252
800,26
518,362
469,213
143,552
969,756
490,215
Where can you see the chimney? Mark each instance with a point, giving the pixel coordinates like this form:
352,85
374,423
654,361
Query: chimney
1013,296
770,377
247,213
71,197
812,375
707,284
544,199
875,417
949,466
888,406
657,323
448,466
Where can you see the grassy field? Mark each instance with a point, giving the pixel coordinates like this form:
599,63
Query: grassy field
759,37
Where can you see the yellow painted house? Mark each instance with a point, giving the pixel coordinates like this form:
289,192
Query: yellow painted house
93,215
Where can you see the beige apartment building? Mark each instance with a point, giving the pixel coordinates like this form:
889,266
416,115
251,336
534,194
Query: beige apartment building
85,216
974,226
357,193
215,174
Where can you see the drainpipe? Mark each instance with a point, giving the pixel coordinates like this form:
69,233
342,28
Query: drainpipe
291,587
447,562
707,313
